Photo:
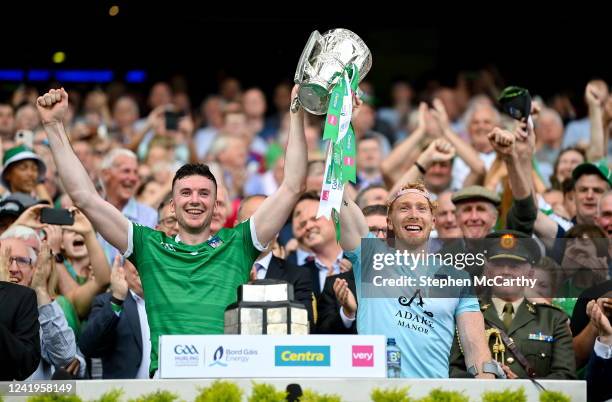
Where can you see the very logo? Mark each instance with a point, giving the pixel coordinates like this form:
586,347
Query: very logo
363,356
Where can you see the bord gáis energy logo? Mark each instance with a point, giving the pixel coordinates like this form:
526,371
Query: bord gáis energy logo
302,355
217,358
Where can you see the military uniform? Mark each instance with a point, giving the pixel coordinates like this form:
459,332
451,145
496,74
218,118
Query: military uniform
540,332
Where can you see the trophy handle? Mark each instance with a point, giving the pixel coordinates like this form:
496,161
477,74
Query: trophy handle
303,64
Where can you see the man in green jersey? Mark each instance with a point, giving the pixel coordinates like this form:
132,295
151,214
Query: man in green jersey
189,279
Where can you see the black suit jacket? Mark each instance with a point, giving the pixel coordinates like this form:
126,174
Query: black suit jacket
299,277
292,258
117,340
330,321
19,332
599,373
312,270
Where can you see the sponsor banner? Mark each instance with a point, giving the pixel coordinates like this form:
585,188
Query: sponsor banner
239,356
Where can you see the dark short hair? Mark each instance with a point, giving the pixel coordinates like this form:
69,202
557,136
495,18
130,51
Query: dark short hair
308,195
375,210
370,136
567,186
194,169
593,233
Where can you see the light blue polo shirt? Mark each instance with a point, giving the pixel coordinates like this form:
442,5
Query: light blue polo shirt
423,332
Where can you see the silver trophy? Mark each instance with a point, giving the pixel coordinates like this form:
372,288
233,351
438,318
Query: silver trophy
266,307
322,62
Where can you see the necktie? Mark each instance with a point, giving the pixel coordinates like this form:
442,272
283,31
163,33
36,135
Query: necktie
507,315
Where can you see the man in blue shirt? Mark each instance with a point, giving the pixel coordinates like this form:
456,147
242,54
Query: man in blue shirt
423,326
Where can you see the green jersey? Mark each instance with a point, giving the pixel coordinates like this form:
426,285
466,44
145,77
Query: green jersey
187,288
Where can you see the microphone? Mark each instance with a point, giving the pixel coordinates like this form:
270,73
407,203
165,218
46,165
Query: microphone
294,392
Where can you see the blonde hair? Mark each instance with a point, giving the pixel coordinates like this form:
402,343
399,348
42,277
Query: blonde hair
419,186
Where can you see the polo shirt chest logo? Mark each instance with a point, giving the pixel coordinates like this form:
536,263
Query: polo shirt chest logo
410,319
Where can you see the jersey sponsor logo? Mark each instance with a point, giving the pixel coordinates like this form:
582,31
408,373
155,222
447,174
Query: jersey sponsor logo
411,319
405,302
167,246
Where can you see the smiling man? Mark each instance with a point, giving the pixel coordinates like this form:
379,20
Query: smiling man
423,328
119,174
591,181
190,279
446,219
476,211
319,236
604,213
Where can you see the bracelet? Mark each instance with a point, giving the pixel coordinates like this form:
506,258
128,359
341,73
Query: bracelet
421,168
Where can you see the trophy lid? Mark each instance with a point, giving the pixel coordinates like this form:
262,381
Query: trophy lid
265,290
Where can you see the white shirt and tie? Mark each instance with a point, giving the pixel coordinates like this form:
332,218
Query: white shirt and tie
261,266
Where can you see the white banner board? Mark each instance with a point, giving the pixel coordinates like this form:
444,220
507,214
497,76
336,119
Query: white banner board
235,356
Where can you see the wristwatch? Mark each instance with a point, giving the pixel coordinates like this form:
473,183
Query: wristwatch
490,367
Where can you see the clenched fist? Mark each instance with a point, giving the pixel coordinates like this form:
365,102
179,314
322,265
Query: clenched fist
502,141
439,150
52,106
594,96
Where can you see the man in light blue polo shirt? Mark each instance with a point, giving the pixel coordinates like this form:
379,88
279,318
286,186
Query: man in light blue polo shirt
421,319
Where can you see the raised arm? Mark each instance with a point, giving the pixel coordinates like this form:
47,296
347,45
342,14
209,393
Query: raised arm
83,296
464,150
353,225
439,150
505,144
105,218
595,100
274,211
405,153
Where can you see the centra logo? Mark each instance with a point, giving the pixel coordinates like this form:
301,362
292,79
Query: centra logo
301,355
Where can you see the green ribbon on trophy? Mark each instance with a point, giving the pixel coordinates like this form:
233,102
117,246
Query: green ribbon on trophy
340,165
